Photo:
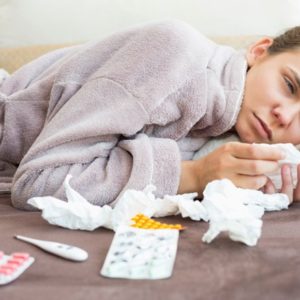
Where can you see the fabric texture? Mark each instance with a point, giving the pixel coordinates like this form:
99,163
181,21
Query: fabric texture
221,270
13,58
115,113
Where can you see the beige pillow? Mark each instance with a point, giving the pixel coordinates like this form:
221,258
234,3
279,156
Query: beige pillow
13,58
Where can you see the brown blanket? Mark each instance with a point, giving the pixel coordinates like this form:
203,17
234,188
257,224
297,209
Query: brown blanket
221,270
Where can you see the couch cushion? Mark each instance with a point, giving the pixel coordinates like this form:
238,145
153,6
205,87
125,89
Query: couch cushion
11,58
221,270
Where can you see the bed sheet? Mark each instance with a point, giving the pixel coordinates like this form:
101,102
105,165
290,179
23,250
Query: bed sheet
221,270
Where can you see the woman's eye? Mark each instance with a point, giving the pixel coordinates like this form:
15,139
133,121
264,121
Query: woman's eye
289,85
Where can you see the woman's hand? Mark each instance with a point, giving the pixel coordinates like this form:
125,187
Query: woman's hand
287,184
244,164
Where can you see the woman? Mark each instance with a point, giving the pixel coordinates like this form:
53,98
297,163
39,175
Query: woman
133,108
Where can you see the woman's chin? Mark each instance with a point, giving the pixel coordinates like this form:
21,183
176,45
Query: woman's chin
247,139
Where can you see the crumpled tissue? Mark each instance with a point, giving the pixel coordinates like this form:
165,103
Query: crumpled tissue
292,157
78,213
225,207
238,211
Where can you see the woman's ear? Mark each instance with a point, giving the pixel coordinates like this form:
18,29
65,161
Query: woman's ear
258,50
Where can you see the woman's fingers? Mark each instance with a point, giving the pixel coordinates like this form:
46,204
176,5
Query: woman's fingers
269,187
287,182
250,182
244,164
255,167
254,151
266,185
250,159
297,189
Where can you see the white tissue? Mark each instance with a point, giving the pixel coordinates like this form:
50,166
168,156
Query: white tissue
77,213
292,158
226,207
237,211
133,202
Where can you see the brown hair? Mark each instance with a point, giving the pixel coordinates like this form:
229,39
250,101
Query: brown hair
289,40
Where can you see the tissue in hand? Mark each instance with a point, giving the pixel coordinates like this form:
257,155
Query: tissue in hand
292,157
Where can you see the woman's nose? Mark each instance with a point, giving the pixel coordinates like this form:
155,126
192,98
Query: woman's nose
286,114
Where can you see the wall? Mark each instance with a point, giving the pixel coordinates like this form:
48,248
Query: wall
26,22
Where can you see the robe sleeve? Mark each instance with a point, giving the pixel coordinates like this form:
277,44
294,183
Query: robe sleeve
100,145
97,134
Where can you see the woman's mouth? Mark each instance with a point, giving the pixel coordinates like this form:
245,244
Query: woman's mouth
262,128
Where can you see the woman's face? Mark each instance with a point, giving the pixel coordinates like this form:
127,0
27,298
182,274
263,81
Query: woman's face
270,111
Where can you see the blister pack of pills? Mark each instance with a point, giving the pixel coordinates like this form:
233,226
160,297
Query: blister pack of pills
13,265
142,221
141,253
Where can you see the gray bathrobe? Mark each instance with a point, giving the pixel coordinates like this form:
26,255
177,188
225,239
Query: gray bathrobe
117,113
